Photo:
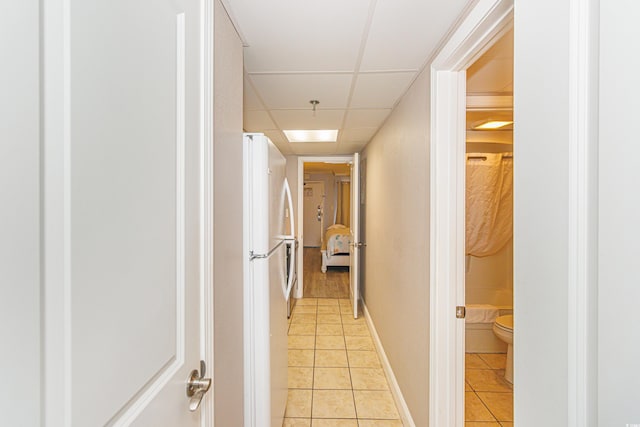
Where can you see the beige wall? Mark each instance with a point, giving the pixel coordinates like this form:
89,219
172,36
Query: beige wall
329,194
396,230
228,280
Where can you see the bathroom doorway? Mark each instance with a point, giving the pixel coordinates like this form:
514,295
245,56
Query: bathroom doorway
485,24
488,278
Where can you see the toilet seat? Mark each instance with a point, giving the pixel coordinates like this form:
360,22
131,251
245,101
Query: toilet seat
505,323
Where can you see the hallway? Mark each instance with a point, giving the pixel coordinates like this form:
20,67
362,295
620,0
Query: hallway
335,375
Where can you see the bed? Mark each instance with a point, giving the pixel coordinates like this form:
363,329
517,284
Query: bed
335,247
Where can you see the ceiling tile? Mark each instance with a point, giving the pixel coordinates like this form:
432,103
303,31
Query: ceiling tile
315,148
283,145
365,118
296,90
257,121
250,98
404,33
301,35
350,148
380,90
491,77
361,135
305,119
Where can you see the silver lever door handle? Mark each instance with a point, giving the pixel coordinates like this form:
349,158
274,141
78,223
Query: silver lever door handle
197,386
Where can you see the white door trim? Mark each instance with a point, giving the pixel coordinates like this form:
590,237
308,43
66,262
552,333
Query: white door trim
207,113
583,214
484,22
301,161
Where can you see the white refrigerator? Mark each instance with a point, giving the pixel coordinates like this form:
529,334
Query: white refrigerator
268,229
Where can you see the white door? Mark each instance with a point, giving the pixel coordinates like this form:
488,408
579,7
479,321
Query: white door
313,213
354,266
122,202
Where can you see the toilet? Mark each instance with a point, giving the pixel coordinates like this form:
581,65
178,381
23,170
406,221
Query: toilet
503,328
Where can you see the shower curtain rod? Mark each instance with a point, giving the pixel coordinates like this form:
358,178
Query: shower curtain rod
485,157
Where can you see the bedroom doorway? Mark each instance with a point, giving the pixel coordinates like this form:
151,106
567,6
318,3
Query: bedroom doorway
324,266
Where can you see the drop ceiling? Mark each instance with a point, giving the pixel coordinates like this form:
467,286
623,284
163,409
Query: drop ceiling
357,57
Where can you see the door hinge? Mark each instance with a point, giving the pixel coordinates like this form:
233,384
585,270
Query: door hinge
461,311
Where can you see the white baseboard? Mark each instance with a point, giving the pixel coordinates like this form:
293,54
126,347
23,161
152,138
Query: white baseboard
401,404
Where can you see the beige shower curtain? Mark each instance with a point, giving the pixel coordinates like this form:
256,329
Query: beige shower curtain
343,203
489,204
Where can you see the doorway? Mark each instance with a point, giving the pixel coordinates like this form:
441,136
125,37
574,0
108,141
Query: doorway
331,273
487,23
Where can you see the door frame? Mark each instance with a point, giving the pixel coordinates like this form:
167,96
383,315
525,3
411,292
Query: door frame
55,266
447,220
484,23
300,206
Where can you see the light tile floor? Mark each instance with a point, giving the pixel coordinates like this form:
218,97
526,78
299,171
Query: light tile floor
335,376
488,396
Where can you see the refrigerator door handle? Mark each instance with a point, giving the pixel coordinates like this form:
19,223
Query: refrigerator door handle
292,258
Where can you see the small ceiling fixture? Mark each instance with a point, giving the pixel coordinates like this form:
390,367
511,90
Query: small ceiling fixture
321,135
314,103
493,124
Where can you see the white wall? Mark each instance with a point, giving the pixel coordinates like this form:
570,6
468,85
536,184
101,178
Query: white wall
20,214
228,228
329,193
619,227
396,258
489,280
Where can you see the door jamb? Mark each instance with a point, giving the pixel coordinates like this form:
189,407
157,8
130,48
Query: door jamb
486,21
207,113
300,206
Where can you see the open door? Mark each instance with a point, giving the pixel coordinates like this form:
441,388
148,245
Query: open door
354,266
122,213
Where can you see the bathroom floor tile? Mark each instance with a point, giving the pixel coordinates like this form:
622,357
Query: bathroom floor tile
474,361
375,404
474,409
306,301
368,379
333,404
331,359
301,358
500,404
328,342
331,379
298,404
495,360
487,380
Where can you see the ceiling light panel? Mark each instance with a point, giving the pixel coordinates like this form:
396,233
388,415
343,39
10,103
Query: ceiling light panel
316,135
399,39
308,36
292,91
380,90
